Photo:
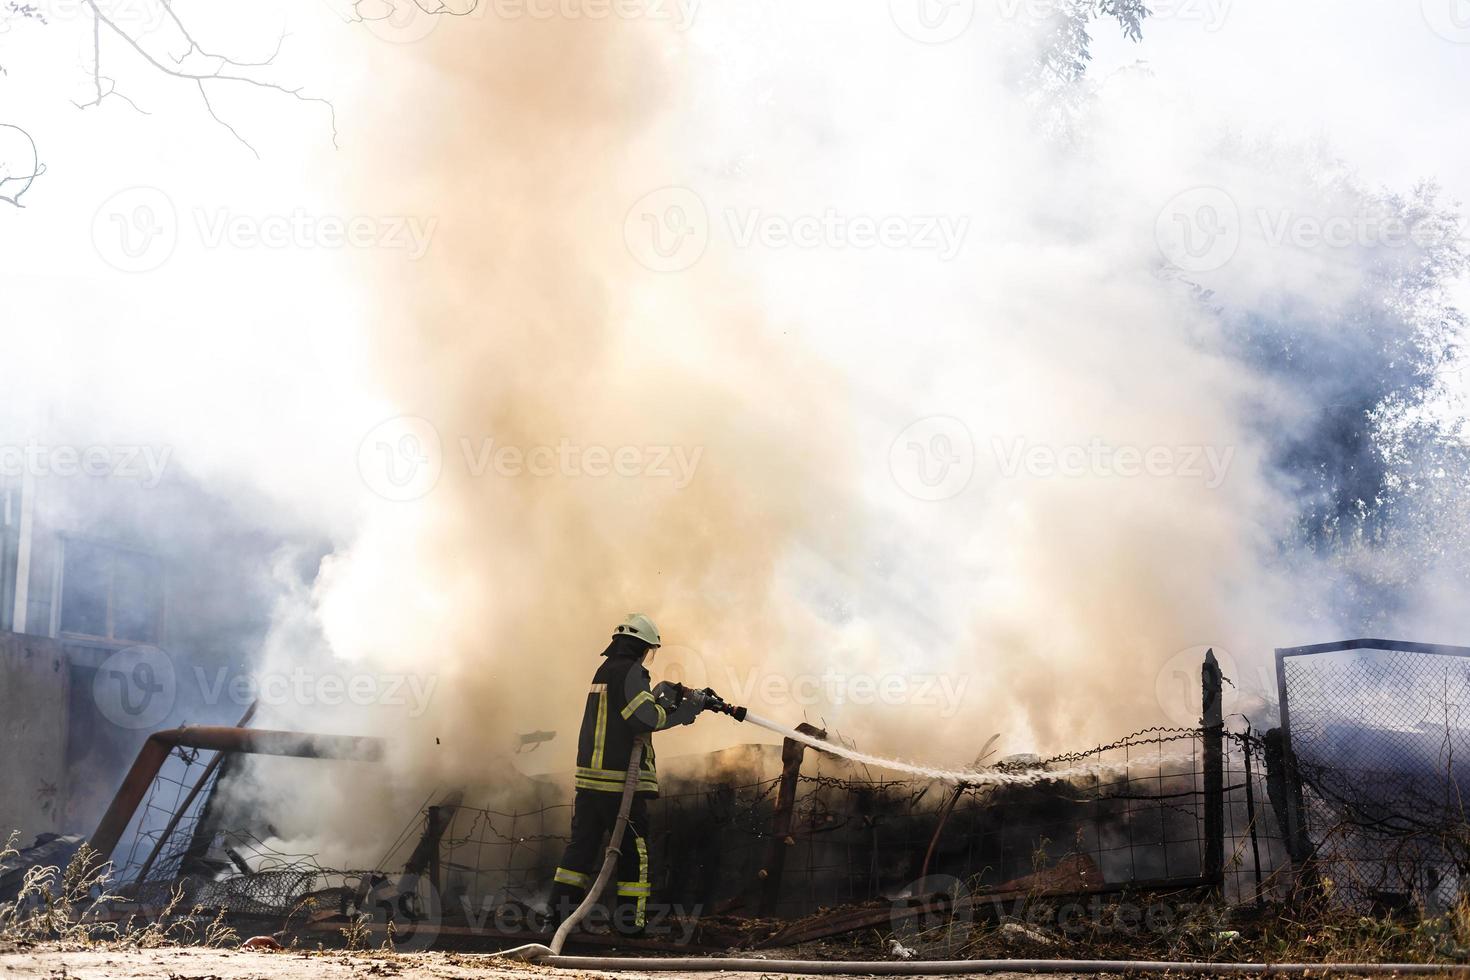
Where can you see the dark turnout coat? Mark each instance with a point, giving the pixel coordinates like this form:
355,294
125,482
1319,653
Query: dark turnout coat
620,706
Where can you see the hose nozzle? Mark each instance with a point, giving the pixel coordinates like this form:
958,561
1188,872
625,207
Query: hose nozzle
710,701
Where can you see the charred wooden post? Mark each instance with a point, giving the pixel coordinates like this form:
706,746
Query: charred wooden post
1214,739
1284,789
792,752
1250,816
424,861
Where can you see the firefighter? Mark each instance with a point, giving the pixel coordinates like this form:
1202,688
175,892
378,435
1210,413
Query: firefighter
620,707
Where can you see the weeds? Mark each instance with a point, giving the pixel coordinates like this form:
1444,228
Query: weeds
1181,927
59,905
72,907
355,934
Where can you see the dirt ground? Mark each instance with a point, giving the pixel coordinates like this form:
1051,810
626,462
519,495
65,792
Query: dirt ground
198,963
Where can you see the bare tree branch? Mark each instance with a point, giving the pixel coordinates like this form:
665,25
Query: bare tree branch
218,69
33,170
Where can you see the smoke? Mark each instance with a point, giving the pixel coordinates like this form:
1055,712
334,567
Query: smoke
881,377
1129,497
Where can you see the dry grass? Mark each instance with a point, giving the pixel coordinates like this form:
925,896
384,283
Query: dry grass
1311,929
71,907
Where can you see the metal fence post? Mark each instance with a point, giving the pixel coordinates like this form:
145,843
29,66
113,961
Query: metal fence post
1214,771
1288,757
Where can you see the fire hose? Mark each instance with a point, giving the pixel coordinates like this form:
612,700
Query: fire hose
551,955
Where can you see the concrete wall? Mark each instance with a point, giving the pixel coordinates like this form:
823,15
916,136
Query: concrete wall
34,683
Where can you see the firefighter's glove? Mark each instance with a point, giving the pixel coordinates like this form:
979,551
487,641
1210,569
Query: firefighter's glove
682,704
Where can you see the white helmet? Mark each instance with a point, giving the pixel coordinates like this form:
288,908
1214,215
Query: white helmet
640,626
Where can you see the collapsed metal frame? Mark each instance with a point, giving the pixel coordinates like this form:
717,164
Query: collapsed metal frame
155,752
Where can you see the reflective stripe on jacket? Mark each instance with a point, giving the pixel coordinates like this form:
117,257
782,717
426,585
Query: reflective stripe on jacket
620,705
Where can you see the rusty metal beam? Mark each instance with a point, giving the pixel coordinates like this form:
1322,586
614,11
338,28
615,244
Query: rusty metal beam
151,757
178,814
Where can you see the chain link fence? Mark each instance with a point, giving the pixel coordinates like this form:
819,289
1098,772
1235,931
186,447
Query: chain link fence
1379,733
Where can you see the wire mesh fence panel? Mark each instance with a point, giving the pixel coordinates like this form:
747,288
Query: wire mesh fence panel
167,796
1129,814
1380,738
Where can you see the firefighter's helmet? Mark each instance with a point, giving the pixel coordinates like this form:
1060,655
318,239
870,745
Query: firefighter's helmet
640,626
